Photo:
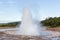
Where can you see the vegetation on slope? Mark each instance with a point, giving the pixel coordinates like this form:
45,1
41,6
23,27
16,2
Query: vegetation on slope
51,22
11,24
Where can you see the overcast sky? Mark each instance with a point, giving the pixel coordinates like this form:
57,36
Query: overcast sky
11,10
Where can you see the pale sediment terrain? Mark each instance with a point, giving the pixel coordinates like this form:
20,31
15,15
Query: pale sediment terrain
7,36
4,36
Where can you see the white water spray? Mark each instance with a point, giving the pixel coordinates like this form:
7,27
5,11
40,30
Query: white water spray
27,26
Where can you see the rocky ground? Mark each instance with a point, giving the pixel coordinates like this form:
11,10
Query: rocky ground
7,36
4,36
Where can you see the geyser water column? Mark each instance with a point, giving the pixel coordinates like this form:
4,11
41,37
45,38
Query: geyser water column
27,26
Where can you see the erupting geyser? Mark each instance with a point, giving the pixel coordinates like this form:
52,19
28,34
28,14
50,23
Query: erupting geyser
28,27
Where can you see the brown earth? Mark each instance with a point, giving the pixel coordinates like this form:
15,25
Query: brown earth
54,29
6,27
